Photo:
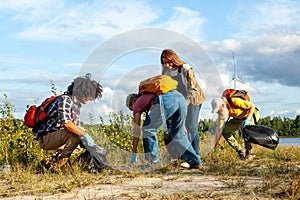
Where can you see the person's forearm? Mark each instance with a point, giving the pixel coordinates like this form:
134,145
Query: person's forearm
135,142
218,132
136,131
70,126
218,135
135,138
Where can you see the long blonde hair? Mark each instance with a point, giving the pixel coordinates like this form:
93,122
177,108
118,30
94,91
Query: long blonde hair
170,55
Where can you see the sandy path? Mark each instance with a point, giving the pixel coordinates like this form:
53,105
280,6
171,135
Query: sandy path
176,186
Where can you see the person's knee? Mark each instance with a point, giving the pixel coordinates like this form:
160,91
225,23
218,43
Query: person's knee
73,141
76,139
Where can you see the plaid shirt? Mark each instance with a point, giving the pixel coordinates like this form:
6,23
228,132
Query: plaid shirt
63,110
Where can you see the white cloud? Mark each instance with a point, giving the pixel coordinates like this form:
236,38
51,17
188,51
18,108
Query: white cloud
32,10
277,44
271,16
261,44
25,4
102,21
225,46
265,57
186,21
67,21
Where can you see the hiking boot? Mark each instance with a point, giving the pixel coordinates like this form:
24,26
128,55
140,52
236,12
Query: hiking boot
55,162
59,164
49,162
241,154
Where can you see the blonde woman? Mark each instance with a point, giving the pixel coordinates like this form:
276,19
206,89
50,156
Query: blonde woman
188,86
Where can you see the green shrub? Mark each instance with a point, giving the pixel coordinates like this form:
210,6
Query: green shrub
17,143
119,131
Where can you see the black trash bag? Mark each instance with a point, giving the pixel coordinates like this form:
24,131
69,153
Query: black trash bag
95,156
261,135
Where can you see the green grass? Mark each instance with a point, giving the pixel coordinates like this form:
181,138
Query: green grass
279,176
278,171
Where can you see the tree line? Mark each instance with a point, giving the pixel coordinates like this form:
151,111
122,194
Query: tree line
285,127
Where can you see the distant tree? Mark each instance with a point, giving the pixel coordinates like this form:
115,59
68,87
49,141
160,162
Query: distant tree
265,121
287,127
297,121
297,126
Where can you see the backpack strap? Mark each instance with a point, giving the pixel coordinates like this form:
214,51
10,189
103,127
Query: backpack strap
229,100
162,111
227,120
254,116
45,108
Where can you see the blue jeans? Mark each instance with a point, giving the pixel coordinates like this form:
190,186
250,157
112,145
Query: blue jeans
174,108
191,125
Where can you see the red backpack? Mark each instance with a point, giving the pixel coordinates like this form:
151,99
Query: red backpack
35,115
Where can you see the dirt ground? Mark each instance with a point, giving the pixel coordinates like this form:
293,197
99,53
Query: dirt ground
188,184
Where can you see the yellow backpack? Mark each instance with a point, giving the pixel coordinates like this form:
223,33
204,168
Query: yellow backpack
157,84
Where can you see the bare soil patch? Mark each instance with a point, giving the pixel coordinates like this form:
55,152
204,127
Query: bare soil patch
186,184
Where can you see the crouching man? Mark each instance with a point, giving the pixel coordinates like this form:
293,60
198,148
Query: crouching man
61,128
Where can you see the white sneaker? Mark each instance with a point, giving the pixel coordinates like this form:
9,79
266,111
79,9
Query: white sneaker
185,165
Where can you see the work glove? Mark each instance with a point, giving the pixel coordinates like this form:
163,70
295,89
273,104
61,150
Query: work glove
247,122
133,158
89,140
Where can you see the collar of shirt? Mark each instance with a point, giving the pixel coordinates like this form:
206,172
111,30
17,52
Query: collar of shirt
76,101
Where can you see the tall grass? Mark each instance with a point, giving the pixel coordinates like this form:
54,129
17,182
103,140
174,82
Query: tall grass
278,170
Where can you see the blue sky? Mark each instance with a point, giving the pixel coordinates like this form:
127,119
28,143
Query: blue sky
57,39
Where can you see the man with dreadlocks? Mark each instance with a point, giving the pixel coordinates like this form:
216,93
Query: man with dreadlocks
62,126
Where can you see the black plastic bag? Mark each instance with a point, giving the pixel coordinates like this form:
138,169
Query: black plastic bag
95,156
261,135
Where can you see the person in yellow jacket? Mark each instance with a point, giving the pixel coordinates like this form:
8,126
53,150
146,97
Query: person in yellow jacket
241,113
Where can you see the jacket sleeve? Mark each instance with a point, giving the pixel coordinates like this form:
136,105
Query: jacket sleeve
195,95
